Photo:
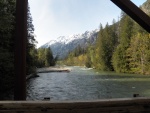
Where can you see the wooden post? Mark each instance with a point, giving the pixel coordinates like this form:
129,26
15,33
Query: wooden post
134,12
20,50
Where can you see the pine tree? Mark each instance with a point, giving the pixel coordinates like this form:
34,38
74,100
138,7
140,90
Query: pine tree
7,36
120,58
99,63
49,60
7,33
139,52
106,43
45,57
31,45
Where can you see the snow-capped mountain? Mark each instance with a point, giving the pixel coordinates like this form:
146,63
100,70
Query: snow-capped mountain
64,44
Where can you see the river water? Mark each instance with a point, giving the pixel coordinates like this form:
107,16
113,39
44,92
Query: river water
86,84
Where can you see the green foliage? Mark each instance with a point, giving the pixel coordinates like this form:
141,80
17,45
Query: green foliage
122,47
105,45
139,52
120,58
90,57
88,62
45,57
7,33
31,52
76,57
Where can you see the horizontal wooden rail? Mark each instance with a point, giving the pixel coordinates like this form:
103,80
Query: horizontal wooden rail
126,105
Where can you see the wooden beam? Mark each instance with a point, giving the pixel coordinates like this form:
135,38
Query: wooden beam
20,50
126,105
134,12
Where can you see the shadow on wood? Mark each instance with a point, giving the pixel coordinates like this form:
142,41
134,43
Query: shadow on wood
126,105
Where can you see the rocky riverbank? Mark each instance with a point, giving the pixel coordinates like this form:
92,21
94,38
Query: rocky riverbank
47,70
32,76
52,69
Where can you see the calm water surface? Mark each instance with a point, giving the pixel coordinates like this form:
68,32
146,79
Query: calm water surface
87,84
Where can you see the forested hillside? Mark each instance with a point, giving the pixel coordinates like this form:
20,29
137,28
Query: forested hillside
64,44
121,47
7,33
7,36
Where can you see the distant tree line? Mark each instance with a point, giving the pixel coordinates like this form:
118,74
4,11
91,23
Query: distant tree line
122,47
7,36
45,57
76,57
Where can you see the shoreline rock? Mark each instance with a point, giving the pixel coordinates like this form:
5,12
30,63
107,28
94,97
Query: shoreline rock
32,76
52,69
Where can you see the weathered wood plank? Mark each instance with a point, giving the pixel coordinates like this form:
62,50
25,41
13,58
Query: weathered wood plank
128,105
20,50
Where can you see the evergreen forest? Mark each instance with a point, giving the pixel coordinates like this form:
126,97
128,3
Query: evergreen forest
34,57
122,47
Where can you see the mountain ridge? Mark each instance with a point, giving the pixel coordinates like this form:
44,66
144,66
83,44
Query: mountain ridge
64,44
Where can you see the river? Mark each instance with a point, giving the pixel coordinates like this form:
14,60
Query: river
86,84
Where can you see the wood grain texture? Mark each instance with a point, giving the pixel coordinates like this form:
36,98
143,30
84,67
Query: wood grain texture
127,105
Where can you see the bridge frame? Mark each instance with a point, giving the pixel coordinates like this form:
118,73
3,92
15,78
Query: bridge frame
134,12
21,38
124,105
20,50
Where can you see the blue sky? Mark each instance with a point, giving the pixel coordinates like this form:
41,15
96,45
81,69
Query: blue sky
54,18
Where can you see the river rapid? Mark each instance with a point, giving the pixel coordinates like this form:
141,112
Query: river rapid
86,84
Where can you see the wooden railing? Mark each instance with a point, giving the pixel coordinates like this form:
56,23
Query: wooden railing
127,105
